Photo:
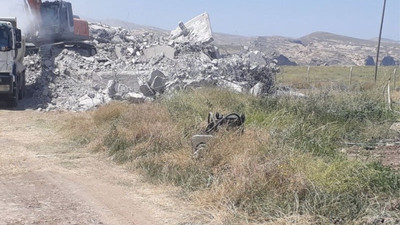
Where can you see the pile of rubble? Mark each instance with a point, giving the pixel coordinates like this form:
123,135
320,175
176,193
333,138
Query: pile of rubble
140,67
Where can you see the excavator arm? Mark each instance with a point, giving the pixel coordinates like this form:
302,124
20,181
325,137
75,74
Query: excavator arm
34,5
33,8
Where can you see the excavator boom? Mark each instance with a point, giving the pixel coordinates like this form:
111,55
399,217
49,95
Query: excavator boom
34,5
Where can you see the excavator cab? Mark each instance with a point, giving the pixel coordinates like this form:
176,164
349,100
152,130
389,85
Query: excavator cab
57,21
57,25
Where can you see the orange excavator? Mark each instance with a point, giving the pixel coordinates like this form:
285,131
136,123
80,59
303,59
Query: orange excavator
54,23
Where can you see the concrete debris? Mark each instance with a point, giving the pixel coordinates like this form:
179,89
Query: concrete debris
196,30
158,84
147,91
235,87
199,145
138,67
256,58
257,89
155,51
135,97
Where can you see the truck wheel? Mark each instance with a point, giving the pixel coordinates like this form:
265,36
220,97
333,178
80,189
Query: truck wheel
93,51
22,90
13,101
21,93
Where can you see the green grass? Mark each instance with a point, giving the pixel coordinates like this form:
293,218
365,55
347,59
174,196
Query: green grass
287,163
336,76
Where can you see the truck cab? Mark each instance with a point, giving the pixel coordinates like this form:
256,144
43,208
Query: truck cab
12,70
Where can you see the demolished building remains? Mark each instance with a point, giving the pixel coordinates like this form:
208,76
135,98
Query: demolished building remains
140,67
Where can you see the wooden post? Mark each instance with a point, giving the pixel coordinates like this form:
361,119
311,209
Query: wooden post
350,76
389,99
394,78
308,74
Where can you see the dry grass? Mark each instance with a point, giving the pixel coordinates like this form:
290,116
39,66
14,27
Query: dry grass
284,169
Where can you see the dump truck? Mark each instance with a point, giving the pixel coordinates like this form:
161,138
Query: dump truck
12,69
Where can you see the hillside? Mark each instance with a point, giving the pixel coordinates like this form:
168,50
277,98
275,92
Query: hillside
318,48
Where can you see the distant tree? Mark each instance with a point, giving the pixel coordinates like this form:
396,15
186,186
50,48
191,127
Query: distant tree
388,61
369,61
284,61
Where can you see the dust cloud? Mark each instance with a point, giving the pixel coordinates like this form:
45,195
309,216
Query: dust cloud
17,8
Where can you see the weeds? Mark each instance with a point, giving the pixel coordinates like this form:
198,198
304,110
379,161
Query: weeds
285,165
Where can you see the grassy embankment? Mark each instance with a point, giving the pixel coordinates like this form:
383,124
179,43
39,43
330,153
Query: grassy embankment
336,76
286,167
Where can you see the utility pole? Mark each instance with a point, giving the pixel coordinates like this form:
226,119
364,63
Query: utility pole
379,40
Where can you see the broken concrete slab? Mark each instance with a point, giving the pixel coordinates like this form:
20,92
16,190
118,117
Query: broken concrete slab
118,52
120,90
156,51
86,102
183,28
110,89
158,84
257,58
156,73
147,91
231,86
135,98
205,58
257,89
129,79
89,59
199,30
200,139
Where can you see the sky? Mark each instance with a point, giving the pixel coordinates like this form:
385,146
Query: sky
290,18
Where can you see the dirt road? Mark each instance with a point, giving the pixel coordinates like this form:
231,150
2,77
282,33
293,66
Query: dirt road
46,179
